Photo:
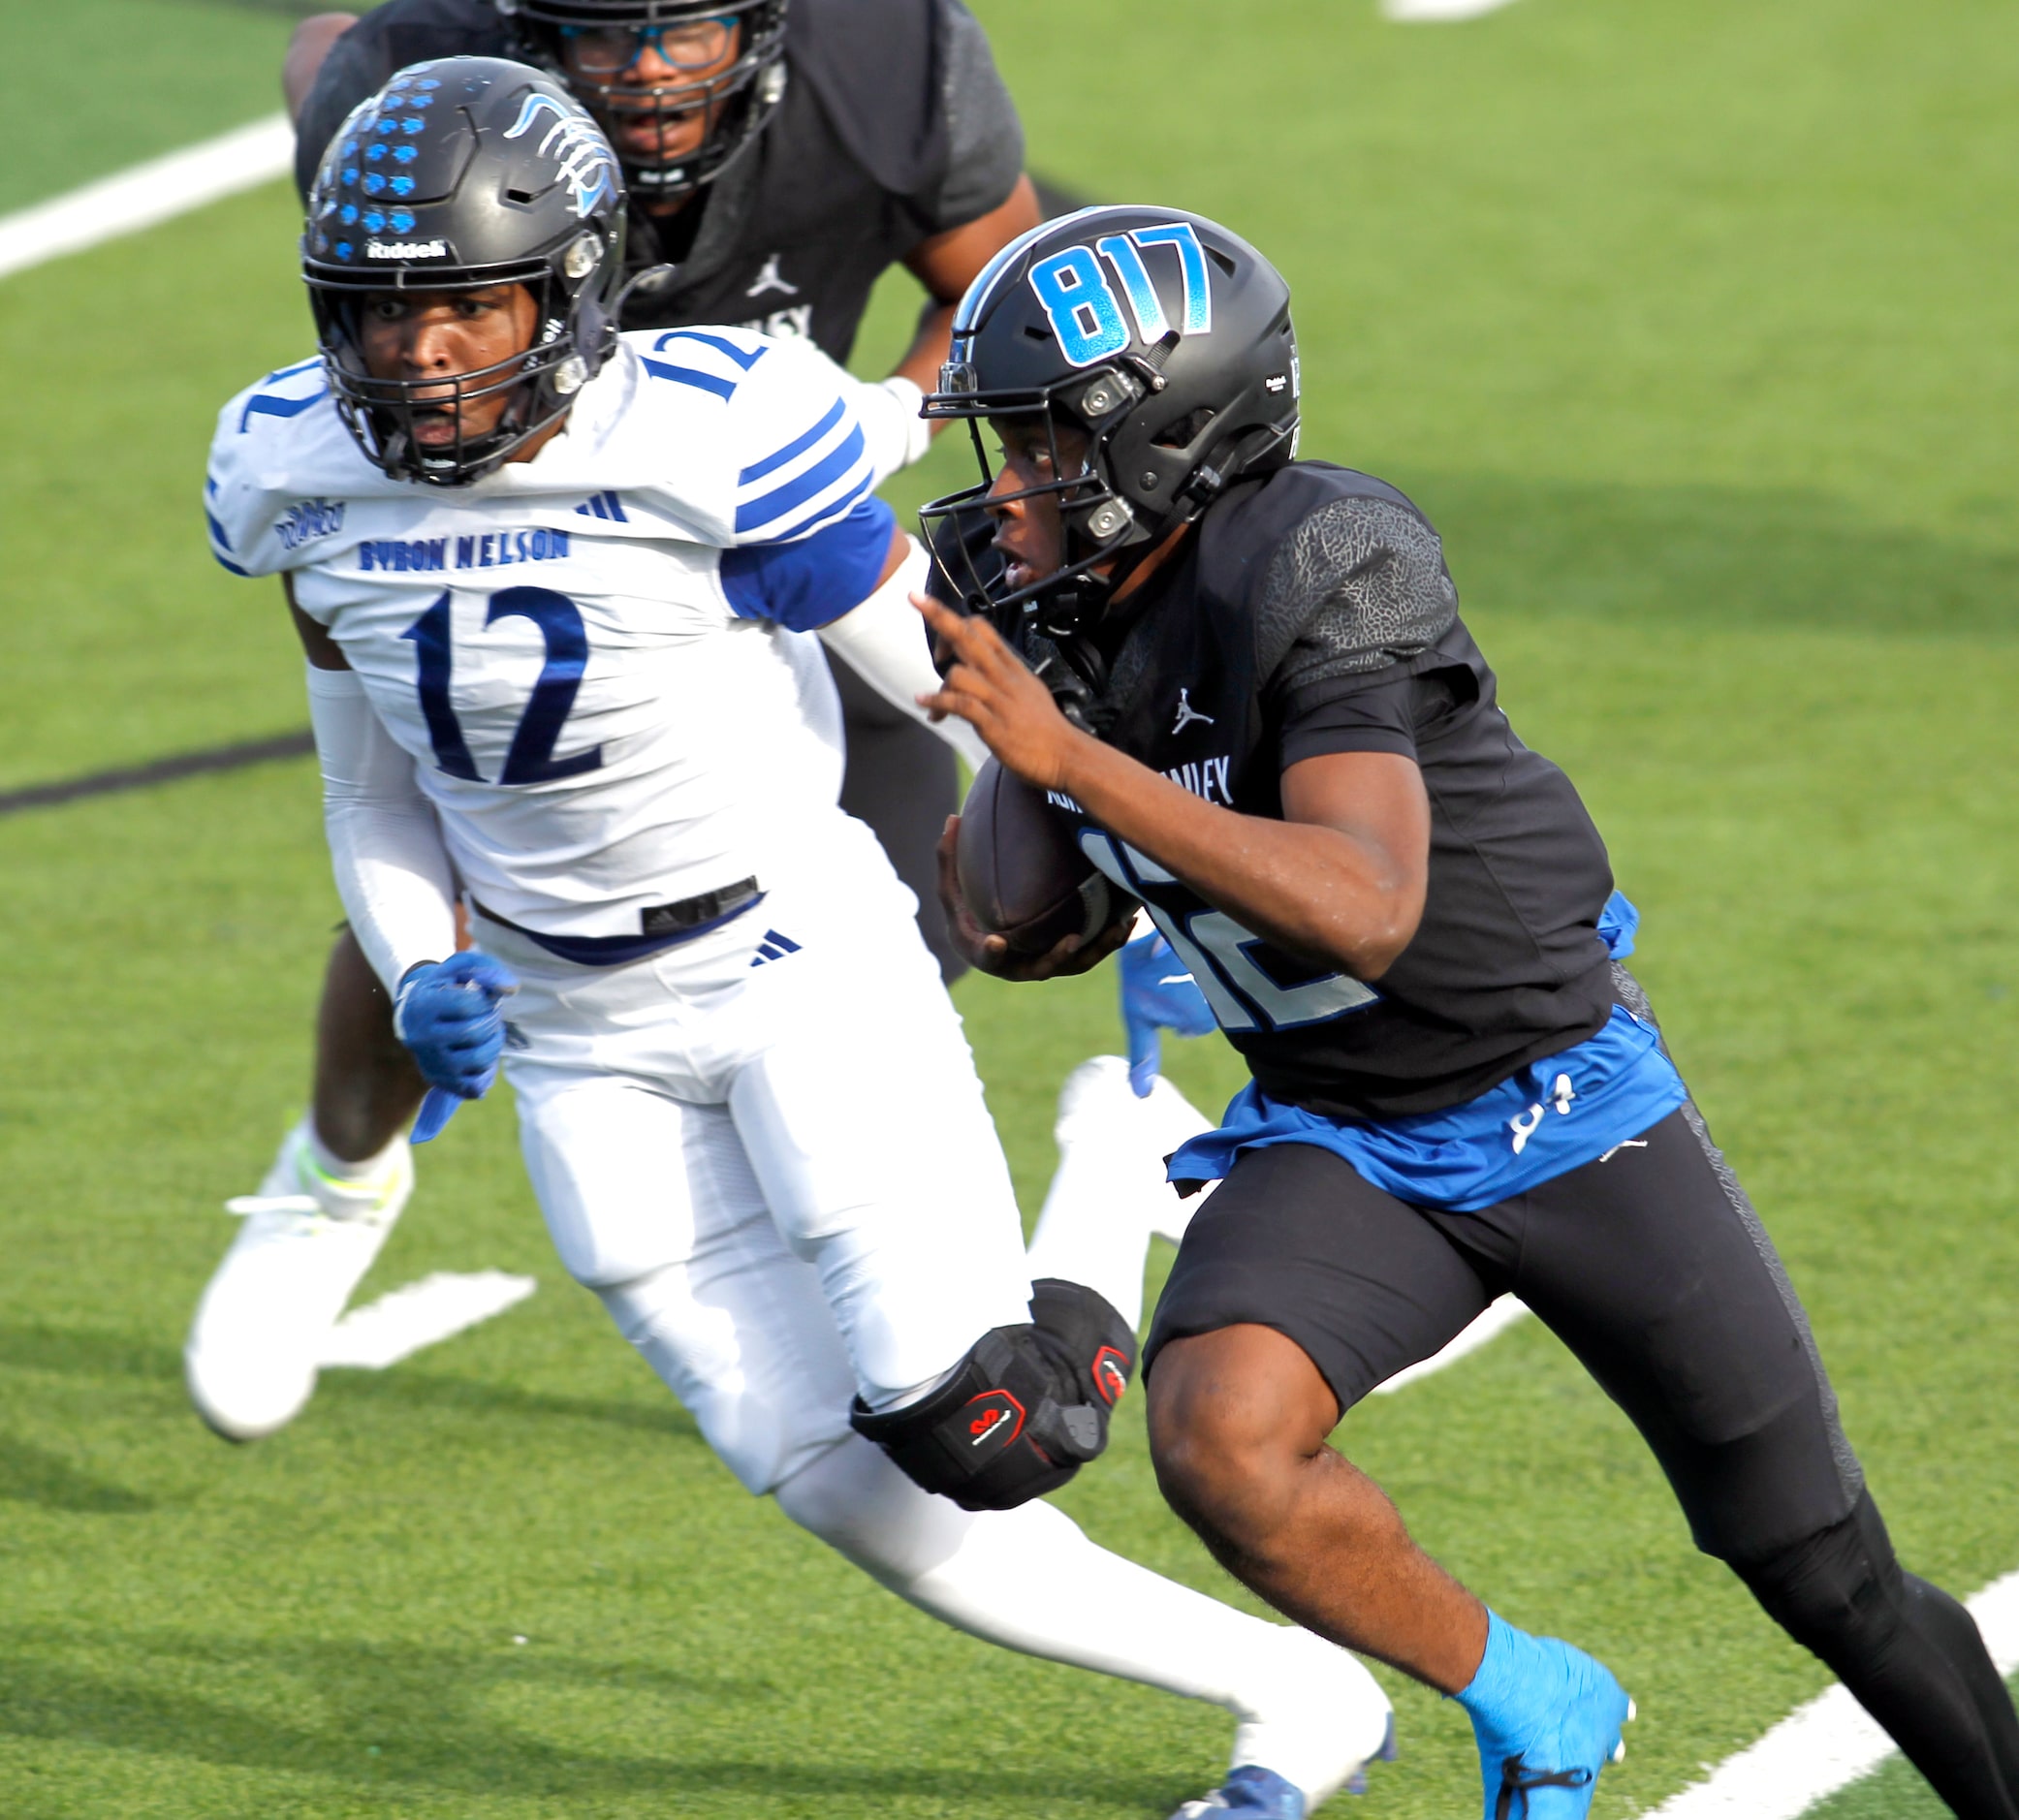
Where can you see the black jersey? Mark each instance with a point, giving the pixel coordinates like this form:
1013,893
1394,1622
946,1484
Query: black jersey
894,126
1310,614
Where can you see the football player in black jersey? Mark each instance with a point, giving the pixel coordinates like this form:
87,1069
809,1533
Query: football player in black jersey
1245,679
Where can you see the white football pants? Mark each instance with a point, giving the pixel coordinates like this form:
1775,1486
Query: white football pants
768,1153
767,1150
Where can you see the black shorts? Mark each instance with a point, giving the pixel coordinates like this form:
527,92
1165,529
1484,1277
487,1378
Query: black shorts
1650,1265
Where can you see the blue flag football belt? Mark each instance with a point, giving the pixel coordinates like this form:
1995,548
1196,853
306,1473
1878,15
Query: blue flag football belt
1544,1120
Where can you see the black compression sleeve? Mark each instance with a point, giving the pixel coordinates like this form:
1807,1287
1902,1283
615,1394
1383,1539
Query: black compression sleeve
1909,1652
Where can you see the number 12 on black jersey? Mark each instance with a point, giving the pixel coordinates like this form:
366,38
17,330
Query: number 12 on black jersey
1225,959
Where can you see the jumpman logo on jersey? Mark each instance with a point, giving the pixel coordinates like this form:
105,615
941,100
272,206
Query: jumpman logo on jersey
768,278
1188,713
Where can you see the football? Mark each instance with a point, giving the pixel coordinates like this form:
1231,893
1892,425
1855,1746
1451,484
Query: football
1022,872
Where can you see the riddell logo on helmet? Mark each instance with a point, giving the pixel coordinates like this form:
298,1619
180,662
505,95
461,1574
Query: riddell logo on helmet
406,249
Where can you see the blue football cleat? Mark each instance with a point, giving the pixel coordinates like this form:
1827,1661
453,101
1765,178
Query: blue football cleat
1262,1795
1547,1720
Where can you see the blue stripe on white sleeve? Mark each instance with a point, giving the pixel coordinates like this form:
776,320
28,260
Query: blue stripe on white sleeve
797,446
814,496
813,581
272,404
220,543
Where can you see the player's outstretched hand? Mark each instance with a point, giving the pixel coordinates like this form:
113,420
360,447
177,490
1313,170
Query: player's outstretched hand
446,1011
992,954
988,685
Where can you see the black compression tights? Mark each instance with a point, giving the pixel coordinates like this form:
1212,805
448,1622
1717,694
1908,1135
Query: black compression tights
1909,1652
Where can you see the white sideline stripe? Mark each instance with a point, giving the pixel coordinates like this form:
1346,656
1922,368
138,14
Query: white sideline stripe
1827,1745
401,1323
144,194
1497,1318
1437,11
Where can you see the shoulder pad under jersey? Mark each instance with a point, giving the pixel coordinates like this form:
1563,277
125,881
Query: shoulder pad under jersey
277,442
1343,575
776,447
875,66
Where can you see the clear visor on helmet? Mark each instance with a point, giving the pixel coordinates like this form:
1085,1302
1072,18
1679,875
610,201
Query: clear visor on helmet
667,90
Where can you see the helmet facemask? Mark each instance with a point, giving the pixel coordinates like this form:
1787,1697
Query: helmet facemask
1142,475
734,102
541,383
1096,526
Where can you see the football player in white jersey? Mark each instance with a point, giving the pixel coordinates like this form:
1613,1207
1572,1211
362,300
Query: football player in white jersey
554,586
344,1174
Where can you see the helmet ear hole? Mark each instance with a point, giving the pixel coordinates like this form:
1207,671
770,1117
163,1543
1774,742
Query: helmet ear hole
1183,432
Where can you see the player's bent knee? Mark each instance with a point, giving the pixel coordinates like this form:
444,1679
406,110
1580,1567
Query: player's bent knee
1023,1412
1838,1592
1231,1425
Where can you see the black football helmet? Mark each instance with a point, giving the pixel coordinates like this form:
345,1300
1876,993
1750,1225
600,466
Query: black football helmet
738,99
1162,340
459,174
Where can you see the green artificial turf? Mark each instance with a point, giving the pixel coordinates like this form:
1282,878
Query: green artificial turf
104,84
1687,322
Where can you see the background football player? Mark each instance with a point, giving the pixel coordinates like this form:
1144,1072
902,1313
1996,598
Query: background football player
781,164
751,1120
1405,922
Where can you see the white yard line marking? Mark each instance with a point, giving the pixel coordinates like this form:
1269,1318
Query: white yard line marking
144,194
1497,1318
401,1323
1437,11
1827,1745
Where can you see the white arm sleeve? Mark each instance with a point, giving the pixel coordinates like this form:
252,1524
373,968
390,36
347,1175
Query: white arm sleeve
386,849
888,410
884,642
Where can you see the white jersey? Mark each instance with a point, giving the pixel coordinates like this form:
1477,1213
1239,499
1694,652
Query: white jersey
600,659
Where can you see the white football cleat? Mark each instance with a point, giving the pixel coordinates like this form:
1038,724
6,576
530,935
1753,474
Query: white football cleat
1311,1734
253,1350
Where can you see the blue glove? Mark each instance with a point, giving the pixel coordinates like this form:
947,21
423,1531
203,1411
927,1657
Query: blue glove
1156,994
446,1011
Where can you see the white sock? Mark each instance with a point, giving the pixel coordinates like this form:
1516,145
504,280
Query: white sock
370,1168
1030,1581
